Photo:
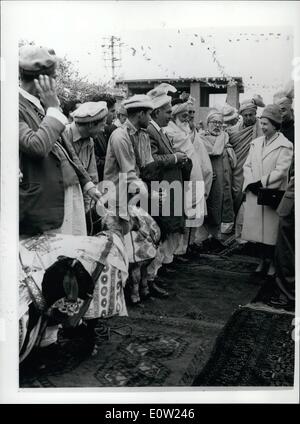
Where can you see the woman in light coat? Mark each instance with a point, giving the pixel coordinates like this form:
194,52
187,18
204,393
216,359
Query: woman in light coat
267,165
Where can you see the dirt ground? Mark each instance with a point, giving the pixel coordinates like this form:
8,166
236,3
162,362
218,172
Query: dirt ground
208,288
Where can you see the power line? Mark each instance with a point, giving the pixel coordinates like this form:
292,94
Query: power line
112,55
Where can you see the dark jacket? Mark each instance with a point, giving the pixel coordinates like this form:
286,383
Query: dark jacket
100,146
284,257
288,130
44,166
163,152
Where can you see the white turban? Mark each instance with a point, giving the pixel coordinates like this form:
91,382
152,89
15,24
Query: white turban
285,97
213,113
180,107
284,101
159,94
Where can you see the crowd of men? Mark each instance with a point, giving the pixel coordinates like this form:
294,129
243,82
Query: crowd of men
66,159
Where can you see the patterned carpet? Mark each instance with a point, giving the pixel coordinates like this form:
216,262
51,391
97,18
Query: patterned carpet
155,352
254,349
168,342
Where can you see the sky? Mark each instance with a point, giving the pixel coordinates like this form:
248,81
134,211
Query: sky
167,39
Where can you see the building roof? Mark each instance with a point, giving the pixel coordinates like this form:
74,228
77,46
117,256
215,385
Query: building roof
204,81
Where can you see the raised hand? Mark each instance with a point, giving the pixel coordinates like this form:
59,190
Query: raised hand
46,89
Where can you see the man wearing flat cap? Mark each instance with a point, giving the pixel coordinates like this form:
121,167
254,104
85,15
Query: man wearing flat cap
176,167
48,162
129,147
129,152
88,119
101,139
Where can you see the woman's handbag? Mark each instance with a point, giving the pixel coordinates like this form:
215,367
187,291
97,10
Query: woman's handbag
269,196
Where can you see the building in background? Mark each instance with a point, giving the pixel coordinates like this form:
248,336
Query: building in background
201,89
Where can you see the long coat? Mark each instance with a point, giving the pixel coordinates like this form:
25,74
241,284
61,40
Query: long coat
273,161
285,246
219,202
195,193
100,148
163,153
41,164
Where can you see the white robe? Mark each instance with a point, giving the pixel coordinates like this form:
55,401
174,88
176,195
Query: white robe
182,141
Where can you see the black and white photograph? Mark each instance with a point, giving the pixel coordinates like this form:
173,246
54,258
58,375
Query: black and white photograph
148,202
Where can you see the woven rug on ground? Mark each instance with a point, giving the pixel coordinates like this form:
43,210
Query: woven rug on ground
171,339
255,348
158,351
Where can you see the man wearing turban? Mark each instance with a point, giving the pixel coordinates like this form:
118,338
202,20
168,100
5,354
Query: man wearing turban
285,102
240,138
175,167
178,131
222,157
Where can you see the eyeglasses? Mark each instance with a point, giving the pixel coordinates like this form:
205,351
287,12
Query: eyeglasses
216,123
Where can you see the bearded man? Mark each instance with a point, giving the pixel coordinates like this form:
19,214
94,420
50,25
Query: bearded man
240,138
178,131
223,160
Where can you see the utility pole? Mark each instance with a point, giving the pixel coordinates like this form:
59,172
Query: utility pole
112,55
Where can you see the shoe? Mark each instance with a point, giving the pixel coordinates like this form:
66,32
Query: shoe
169,269
165,271
181,259
156,291
267,290
134,299
79,331
213,245
227,228
261,267
193,252
144,293
282,302
271,270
